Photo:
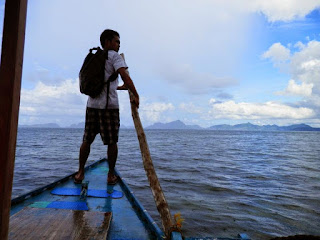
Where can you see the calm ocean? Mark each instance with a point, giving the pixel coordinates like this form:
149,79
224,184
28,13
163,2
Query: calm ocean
264,184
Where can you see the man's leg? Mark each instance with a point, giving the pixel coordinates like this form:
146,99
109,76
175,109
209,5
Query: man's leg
112,159
112,156
83,156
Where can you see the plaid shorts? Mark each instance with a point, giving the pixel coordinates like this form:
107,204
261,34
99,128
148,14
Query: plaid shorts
105,122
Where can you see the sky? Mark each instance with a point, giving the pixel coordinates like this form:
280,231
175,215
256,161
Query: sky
204,62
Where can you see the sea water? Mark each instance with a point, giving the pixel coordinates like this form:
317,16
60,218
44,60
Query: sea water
265,184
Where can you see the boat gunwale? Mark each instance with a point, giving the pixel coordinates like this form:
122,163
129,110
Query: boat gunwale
138,207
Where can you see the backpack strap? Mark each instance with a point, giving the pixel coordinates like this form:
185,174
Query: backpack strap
95,48
112,78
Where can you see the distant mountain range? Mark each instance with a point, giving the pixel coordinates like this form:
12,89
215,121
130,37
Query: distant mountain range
180,125
239,127
252,127
173,125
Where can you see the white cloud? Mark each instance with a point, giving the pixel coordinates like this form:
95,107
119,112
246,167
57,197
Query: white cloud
28,110
304,68
154,112
188,33
284,10
314,102
302,65
268,110
305,65
212,101
294,89
40,68
150,112
190,108
299,45
64,104
194,82
277,53
53,103
43,91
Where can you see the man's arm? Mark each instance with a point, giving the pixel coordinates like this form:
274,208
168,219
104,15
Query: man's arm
129,84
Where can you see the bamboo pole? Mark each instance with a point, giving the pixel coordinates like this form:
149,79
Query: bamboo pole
157,192
10,86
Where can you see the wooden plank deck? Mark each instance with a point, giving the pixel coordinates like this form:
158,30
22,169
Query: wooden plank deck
47,223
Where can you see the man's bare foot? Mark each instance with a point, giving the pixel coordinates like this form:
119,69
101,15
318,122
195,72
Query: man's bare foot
112,179
78,177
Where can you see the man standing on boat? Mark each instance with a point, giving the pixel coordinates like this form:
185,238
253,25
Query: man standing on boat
102,115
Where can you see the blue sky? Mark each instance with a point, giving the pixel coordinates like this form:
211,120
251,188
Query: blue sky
204,62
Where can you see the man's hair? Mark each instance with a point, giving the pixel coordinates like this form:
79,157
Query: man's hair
107,34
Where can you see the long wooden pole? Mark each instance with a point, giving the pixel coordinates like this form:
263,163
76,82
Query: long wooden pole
157,192
10,87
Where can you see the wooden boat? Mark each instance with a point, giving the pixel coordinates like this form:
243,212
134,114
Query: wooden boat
58,211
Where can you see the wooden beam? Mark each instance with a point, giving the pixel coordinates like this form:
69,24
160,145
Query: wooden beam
10,87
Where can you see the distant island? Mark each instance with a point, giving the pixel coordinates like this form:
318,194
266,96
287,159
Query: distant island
179,125
252,127
173,125
238,127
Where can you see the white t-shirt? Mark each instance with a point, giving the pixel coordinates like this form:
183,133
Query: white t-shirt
114,62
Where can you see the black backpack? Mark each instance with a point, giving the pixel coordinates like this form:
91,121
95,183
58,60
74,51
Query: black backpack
91,76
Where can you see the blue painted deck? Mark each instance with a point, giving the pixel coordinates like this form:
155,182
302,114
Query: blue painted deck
126,223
